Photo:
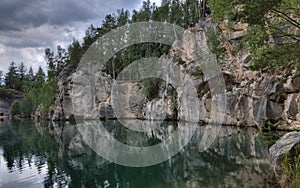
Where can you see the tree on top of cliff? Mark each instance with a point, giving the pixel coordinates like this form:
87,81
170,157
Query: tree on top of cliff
273,36
39,78
30,73
57,62
11,77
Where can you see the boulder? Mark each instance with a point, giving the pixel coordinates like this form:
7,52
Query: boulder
288,144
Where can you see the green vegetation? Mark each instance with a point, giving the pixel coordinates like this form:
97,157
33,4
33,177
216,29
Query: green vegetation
197,72
214,42
15,109
270,137
267,125
4,94
273,35
36,88
291,171
184,13
150,87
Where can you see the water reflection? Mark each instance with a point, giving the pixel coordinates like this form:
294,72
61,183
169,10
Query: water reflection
36,155
27,158
107,144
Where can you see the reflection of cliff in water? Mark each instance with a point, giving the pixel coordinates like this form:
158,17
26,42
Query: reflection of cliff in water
235,158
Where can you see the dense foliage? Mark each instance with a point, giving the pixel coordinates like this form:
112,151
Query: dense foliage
37,89
273,36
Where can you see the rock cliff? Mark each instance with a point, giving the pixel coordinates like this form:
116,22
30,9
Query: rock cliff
268,99
7,98
62,107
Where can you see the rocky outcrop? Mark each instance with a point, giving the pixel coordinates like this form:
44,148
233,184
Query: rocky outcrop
7,98
5,106
291,113
62,107
288,144
264,99
93,99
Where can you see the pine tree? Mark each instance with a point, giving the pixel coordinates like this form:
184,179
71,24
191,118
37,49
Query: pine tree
123,17
176,13
51,63
12,77
21,76
31,75
22,71
39,78
76,52
1,79
61,59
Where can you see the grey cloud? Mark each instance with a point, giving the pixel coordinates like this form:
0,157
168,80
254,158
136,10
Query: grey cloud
27,27
36,23
30,57
18,15
42,36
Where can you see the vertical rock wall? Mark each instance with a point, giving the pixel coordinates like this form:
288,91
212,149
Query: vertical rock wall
254,98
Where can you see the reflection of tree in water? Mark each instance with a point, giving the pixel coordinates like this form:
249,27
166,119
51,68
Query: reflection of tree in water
23,145
17,150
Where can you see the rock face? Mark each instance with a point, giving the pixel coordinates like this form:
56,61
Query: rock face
253,98
264,99
5,106
288,144
62,108
7,99
92,99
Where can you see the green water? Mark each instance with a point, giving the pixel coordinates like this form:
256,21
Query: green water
54,155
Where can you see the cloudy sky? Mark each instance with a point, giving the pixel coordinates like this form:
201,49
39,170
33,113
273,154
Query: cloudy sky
27,27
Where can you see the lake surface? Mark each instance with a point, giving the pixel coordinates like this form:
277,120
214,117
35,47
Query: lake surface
55,155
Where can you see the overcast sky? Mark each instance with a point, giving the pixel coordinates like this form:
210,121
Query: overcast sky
27,27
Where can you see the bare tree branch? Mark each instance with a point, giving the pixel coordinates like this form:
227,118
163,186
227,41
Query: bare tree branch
287,18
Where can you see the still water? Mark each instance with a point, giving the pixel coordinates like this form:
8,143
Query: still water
55,155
